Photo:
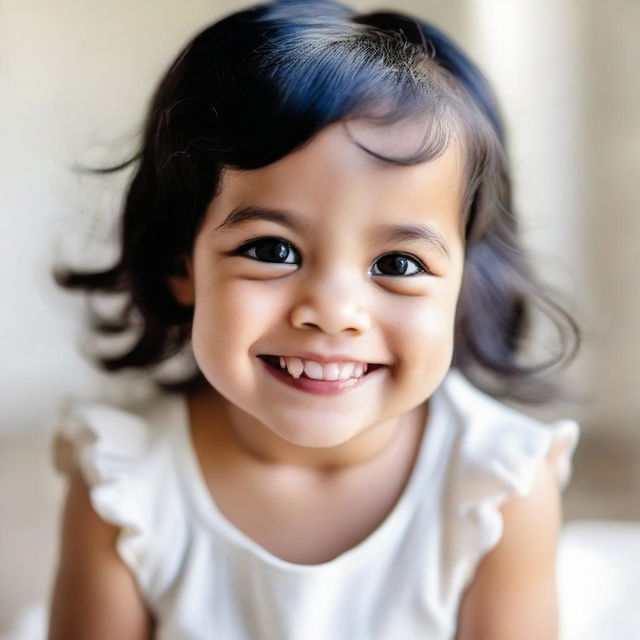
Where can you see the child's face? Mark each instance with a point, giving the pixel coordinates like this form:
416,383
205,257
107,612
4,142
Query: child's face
326,294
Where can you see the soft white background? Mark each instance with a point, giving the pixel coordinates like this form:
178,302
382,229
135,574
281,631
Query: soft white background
75,77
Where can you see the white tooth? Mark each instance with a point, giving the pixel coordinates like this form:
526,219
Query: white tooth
346,370
357,370
295,366
331,371
313,369
283,364
366,366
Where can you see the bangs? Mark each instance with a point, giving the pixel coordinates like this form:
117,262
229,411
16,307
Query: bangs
302,73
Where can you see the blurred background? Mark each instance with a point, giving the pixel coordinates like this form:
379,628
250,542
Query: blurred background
75,78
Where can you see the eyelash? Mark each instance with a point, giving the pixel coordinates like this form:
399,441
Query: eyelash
243,249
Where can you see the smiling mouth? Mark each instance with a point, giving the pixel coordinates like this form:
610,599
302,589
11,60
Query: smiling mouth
276,363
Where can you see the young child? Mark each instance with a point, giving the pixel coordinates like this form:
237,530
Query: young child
320,213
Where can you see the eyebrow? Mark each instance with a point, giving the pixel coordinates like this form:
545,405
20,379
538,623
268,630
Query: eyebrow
411,232
392,232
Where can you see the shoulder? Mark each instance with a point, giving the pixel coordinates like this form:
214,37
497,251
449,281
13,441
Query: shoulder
501,459
500,445
121,458
505,474
102,439
95,595
513,593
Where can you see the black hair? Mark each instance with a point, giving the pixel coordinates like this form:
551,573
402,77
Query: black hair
259,84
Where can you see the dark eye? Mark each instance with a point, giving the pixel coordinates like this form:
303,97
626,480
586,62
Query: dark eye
397,264
268,250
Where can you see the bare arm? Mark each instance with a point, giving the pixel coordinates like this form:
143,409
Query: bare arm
95,596
514,592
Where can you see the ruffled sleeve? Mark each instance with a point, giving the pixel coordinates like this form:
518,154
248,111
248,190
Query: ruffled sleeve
512,460
109,447
496,456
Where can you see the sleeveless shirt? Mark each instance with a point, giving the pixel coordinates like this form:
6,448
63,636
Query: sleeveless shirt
201,577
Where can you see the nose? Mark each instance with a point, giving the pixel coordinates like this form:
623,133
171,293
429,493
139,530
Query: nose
331,304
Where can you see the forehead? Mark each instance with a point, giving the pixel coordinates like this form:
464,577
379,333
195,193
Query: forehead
331,182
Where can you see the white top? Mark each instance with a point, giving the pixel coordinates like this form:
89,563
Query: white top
201,577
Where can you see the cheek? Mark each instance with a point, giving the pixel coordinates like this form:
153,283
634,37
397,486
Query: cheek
427,325
231,316
423,334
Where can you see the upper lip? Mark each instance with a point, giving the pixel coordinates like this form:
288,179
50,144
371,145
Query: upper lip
323,358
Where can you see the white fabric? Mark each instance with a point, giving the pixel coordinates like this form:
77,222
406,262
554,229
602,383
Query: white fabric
202,577
599,580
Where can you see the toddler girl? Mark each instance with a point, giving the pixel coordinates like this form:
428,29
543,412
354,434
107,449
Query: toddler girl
320,213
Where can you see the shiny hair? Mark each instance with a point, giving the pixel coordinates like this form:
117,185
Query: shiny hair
259,84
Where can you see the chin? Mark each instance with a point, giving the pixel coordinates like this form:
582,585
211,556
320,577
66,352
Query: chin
313,436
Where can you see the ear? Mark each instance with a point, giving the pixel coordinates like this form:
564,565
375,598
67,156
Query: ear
182,283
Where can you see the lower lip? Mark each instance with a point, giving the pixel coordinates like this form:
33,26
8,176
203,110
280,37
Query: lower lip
320,387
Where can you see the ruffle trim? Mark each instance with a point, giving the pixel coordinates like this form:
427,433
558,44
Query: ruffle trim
107,445
513,472
499,454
